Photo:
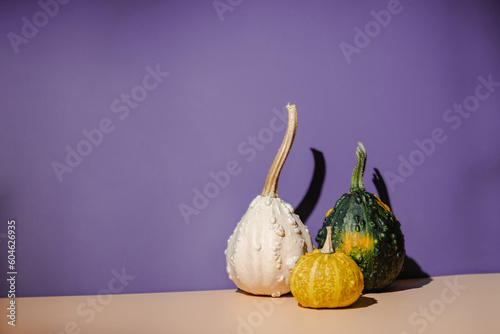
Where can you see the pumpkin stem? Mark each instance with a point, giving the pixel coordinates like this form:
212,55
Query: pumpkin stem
271,185
328,247
357,174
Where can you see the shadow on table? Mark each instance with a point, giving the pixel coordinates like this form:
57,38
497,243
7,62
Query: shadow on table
287,295
406,284
362,302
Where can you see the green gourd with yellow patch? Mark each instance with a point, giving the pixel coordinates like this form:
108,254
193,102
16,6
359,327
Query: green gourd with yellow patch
365,229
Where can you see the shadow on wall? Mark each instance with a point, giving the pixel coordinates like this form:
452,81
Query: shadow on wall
411,268
308,203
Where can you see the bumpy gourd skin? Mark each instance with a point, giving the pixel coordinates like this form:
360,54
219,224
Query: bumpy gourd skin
264,247
365,229
326,280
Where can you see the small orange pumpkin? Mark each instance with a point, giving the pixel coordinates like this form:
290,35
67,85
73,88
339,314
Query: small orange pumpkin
326,278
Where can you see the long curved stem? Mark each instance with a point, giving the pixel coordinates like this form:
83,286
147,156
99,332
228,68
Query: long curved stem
271,185
357,174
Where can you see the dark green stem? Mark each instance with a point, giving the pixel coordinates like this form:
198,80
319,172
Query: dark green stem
357,174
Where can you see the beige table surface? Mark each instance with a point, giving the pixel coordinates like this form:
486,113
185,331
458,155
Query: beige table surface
449,304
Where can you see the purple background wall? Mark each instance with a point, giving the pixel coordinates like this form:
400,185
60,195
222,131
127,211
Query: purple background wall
120,207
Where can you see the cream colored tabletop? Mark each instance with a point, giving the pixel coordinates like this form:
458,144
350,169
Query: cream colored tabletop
449,304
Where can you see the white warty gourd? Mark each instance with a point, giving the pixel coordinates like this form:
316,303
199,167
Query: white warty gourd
270,238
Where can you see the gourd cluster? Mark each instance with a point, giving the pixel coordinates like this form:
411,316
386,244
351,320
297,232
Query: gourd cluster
271,253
